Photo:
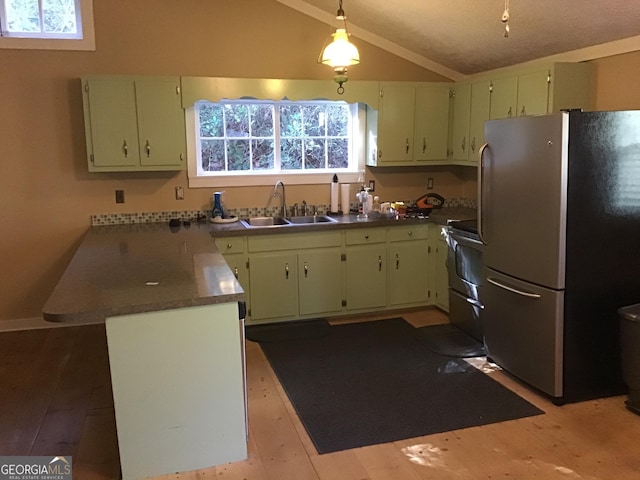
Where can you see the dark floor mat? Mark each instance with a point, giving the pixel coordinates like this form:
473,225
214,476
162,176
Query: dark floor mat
280,332
375,382
449,340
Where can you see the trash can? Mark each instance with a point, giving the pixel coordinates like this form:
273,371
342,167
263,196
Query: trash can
630,353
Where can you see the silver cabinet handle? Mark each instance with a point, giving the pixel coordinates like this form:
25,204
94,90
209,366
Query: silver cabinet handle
464,143
148,148
523,112
379,263
397,261
410,233
235,272
473,144
286,271
406,145
510,112
306,270
511,289
229,245
424,145
125,148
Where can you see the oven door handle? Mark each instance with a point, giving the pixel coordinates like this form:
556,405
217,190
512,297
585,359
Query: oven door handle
513,290
472,301
464,240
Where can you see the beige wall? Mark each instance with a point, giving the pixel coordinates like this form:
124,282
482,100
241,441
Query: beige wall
46,193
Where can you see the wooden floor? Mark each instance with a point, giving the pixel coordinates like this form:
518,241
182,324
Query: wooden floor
55,399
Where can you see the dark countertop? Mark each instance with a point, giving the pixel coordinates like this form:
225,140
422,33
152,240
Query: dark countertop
135,268
126,269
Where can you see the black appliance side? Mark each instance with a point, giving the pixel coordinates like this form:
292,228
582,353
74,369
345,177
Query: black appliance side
602,260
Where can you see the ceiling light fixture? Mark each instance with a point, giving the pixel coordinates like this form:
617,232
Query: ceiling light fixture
505,18
340,53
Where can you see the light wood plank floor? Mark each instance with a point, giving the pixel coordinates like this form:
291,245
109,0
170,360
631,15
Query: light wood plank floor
55,399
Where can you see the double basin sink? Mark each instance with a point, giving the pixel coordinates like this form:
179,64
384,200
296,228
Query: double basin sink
262,222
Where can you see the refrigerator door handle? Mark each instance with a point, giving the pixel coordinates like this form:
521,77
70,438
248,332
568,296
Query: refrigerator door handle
493,281
480,153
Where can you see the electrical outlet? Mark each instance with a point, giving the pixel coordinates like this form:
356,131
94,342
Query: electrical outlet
179,193
119,196
372,185
430,183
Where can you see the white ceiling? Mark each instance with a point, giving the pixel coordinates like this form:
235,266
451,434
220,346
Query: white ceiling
457,38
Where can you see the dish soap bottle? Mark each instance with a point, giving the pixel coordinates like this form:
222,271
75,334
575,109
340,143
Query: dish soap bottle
217,210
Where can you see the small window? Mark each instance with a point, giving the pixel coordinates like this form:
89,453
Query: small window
47,24
246,138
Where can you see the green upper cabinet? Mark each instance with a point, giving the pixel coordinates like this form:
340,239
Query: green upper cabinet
133,124
504,97
480,112
431,123
410,126
533,93
470,110
536,90
461,117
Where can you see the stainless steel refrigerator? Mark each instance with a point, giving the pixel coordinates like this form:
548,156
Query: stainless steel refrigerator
559,212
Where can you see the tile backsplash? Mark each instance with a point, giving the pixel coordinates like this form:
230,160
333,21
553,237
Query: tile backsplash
156,217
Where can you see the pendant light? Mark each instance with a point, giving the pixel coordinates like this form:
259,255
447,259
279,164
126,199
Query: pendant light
340,53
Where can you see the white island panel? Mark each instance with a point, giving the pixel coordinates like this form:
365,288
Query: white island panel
178,388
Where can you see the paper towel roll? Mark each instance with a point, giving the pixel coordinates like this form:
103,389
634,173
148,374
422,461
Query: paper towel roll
334,197
345,198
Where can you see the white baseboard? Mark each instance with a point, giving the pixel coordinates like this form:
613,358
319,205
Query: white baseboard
35,323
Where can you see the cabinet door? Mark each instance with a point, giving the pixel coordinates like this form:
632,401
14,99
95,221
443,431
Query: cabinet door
431,123
533,93
461,117
480,104
441,274
395,124
110,123
238,263
320,281
366,276
408,273
504,96
161,126
274,286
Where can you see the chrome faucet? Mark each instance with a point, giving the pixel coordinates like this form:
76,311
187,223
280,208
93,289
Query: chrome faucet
283,203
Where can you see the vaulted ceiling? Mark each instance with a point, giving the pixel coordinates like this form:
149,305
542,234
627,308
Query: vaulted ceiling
457,38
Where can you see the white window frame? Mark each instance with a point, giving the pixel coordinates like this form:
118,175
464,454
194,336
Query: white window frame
257,179
87,42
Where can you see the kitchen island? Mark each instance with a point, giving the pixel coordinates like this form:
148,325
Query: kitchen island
176,347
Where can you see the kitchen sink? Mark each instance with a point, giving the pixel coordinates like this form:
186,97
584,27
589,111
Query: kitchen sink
262,222
306,219
265,222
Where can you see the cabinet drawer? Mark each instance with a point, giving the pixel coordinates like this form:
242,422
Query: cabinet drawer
408,232
293,241
231,244
362,236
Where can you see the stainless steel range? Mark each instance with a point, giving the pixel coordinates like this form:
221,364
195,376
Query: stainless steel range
466,277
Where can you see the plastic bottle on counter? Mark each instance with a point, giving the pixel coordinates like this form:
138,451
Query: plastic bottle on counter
375,205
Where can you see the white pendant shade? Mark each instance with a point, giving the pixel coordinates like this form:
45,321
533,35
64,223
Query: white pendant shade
340,52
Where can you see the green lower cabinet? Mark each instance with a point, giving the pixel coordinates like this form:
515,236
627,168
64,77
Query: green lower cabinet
408,273
320,282
238,263
441,280
274,286
366,276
